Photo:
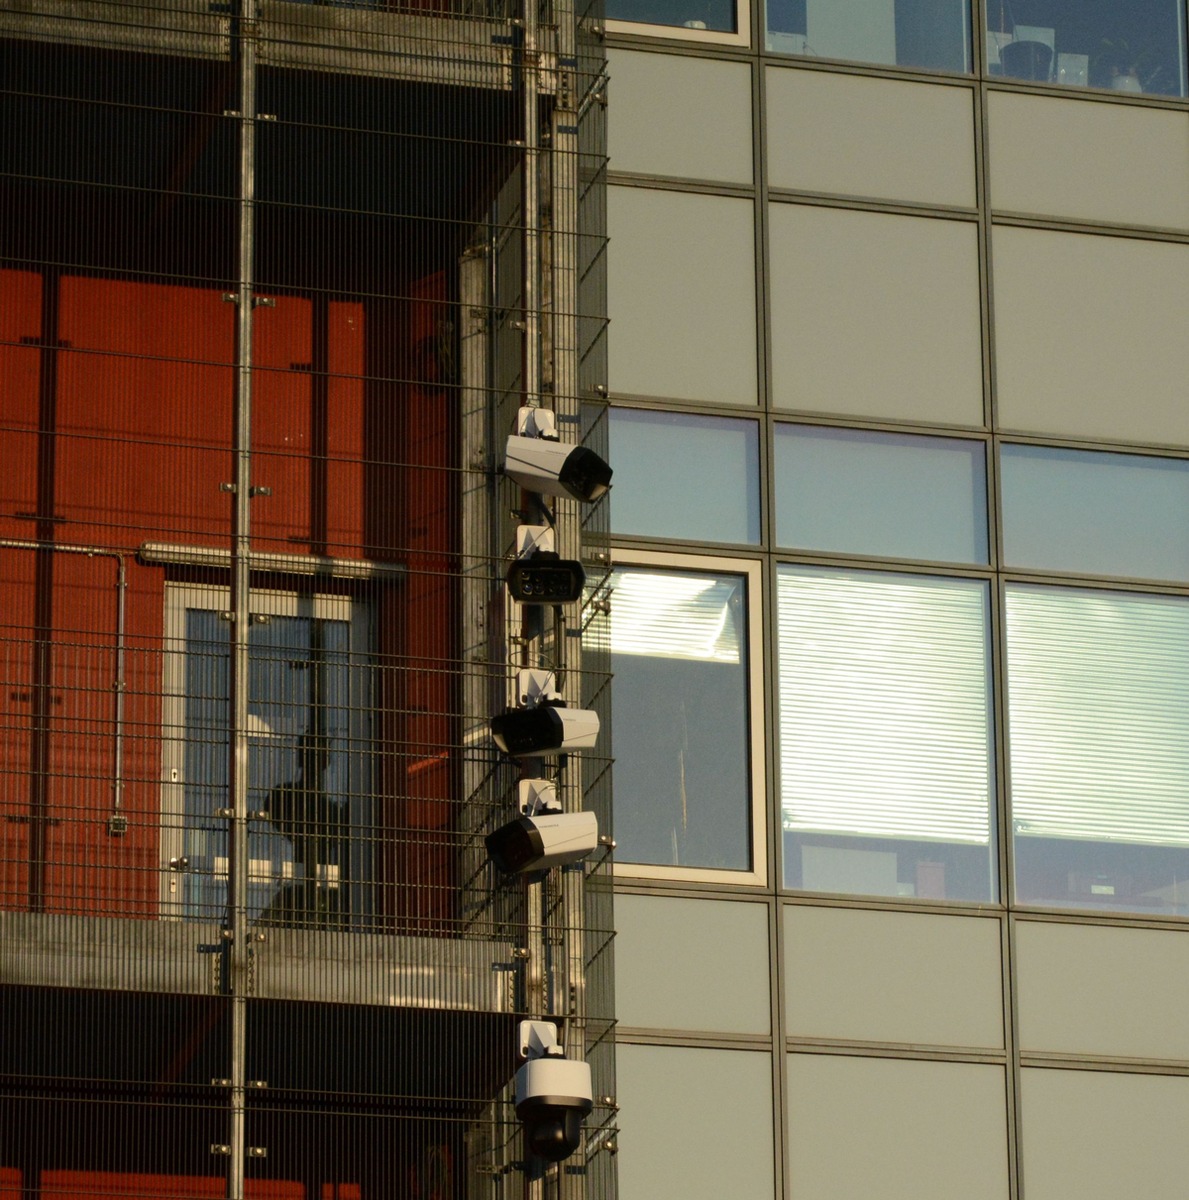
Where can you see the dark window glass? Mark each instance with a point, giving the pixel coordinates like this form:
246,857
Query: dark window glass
1134,46
717,15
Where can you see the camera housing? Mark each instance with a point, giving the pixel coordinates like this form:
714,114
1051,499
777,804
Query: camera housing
542,840
547,728
555,468
553,1093
546,578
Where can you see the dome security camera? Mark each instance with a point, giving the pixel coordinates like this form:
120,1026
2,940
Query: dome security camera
553,1093
555,468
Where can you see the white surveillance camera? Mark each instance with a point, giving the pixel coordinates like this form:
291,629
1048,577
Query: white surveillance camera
545,729
553,1093
543,840
556,469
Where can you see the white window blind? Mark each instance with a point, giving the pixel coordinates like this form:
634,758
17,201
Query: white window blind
884,705
667,614
1098,715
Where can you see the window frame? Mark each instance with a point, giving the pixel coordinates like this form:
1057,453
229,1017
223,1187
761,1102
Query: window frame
752,571
680,33
180,598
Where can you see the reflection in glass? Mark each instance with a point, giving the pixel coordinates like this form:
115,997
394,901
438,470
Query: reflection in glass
680,697
716,15
1098,717
885,494
683,476
1095,513
932,34
1135,46
885,734
310,859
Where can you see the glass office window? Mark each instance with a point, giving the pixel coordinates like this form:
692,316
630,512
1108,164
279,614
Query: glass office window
1098,724
885,734
682,744
1097,514
684,476
716,16
883,494
1133,46
933,34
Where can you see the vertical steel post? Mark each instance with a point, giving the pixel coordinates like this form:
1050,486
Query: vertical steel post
531,203
536,989
563,292
236,925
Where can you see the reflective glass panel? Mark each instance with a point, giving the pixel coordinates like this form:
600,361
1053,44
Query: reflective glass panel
933,34
683,476
679,650
1133,46
717,15
1097,514
882,494
885,734
1098,721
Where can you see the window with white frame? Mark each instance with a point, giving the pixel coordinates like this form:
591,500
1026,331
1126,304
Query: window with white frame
312,851
687,733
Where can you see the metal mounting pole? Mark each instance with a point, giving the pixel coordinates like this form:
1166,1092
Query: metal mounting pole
236,922
531,203
537,991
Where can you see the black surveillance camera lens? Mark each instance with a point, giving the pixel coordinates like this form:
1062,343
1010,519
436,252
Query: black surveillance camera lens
584,474
524,731
513,846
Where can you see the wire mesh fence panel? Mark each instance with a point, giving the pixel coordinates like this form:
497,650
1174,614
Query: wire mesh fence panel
275,280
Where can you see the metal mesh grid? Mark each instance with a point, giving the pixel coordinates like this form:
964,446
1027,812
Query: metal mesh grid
264,325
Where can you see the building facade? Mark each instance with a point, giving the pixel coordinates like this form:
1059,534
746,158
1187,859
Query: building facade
891,598
897,296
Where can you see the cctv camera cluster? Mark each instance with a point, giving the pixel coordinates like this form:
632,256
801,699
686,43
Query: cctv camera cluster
537,460
545,836
553,1092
